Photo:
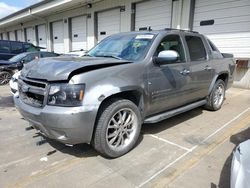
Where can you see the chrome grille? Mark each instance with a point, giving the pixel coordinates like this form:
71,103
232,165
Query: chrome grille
32,92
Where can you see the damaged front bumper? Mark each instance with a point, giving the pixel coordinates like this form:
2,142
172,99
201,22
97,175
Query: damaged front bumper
69,125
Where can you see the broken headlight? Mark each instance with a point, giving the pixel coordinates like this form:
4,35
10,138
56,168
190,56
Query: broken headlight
68,95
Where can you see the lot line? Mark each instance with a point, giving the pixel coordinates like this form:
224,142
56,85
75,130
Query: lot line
171,143
191,150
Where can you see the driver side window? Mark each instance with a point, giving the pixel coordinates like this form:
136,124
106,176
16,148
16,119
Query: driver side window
172,42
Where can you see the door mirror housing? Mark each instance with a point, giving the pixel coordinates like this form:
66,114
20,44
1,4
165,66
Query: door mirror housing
20,65
166,57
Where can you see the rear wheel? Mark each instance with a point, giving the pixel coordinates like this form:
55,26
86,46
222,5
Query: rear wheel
118,128
217,96
5,78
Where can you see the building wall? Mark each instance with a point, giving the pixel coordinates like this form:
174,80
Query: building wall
126,17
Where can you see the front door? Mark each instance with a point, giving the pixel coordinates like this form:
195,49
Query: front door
169,84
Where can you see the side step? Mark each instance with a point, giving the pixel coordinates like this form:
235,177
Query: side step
171,113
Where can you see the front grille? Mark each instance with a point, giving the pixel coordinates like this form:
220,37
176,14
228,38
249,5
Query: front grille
32,92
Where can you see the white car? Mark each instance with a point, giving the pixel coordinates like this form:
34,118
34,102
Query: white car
13,82
77,53
240,167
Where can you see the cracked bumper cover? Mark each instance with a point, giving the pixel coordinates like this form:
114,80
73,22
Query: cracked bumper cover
69,125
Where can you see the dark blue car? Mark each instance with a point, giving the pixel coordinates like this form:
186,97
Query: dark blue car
8,49
8,67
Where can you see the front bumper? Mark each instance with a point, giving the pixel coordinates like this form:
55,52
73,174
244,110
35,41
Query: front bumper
69,125
13,86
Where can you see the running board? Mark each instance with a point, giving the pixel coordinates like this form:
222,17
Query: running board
171,113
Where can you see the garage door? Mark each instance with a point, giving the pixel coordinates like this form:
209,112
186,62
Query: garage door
79,33
109,22
30,35
226,23
19,35
41,36
58,37
155,14
5,36
12,35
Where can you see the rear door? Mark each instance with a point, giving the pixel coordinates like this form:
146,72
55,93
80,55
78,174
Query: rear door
200,66
168,86
5,50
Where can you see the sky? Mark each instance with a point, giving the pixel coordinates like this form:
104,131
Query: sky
9,6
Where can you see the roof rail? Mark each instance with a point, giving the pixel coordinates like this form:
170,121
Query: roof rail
183,30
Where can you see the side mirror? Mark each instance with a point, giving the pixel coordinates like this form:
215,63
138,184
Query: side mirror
19,65
166,57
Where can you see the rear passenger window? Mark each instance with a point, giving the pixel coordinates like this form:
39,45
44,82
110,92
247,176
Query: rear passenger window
213,47
4,47
16,47
196,48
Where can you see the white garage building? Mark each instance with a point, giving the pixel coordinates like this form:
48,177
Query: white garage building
69,25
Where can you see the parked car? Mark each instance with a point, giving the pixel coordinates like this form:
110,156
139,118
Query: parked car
14,82
8,49
8,67
126,80
240,167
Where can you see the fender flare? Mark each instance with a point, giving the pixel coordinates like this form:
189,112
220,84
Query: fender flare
214,80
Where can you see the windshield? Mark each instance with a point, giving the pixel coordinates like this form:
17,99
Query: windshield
16,58
129,47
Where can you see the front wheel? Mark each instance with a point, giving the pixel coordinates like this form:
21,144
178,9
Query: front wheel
217,96
5,78
117,129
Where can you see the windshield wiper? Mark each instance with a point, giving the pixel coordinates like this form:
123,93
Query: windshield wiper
112,56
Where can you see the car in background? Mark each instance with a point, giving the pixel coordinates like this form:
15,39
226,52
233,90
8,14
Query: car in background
8,49
76,53
9,67
240,166
14,82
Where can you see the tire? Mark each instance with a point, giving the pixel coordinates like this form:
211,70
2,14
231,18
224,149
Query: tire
118,127
217,96
5,77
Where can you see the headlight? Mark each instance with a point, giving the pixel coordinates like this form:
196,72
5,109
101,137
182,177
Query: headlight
66,95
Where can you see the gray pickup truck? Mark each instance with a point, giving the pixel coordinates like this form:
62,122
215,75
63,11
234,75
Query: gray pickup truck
124,81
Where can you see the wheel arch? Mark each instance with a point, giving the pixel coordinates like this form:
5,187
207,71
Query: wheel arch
223,76
133,94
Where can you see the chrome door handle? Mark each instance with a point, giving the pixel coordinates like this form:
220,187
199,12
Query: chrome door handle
207,68
185,72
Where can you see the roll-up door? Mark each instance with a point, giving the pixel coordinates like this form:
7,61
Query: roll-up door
155,14
19,35
109,22
5,36
226,23
30,35
12,35
58,37
79,33
41,36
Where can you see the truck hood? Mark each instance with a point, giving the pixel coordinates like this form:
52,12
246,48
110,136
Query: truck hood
63,68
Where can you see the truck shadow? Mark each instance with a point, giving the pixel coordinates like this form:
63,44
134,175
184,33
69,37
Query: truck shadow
171,122
79,150
6,102
224,181
86,150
